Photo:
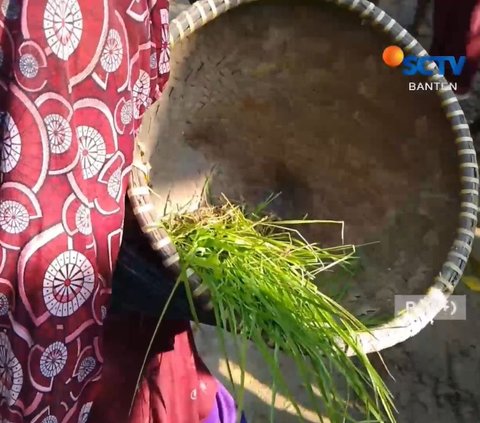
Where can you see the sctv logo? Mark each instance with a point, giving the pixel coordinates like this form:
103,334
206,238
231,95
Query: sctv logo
393,56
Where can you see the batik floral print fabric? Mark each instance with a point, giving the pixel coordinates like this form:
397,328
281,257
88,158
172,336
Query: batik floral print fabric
75,79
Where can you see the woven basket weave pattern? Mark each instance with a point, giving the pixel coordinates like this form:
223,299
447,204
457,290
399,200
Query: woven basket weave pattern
410,322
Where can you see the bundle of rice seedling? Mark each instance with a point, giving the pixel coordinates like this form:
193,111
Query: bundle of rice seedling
262,277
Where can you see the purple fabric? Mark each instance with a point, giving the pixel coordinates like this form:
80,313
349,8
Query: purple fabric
224,410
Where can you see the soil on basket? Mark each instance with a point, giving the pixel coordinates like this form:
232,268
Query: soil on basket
309,110
296,100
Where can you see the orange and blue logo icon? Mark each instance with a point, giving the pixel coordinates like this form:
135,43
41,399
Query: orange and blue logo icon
393,56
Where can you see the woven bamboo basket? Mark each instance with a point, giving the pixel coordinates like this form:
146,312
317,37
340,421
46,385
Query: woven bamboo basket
293,97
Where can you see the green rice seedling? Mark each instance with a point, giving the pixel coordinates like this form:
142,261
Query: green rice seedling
261,274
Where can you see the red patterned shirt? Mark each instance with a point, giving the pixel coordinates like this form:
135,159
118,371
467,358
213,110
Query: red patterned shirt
75,79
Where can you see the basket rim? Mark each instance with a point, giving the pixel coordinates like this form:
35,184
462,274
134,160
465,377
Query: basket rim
408,322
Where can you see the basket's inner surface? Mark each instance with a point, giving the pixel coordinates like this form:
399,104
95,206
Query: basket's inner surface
293,97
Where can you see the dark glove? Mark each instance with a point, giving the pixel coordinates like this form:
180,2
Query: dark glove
140,282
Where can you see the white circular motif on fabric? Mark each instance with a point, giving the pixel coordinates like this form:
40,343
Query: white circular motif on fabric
103,311
112,53
164,62
10,9
84,412
59,133
53,359
86,367
140,92
69,282
63,26
153,60
83,220
11,373
11,143
50,419
114,184
164,59
126,114
28,66
4,307
92,151
14,217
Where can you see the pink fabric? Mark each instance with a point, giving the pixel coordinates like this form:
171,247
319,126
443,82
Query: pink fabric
452,22
473,46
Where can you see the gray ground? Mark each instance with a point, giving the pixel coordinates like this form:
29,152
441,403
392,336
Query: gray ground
437,373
